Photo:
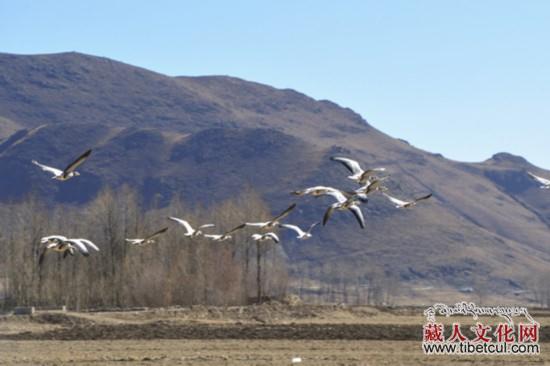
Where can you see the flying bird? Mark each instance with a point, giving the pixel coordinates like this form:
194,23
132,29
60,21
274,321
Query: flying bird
147,240
372,186
56,243
265,237
191,232
406,204
274,222
302,235
61,244
545,182
357,173
69,171
225,236
314,191
345,201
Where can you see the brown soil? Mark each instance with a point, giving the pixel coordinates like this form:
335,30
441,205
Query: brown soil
270,334
242,353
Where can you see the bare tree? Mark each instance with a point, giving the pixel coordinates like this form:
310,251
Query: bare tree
175,270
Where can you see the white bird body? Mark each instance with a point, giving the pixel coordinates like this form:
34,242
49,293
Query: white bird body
60,247
302,235
69,172
545,183
140,241
147,240
265,237
274,222
190,231
405,204
358,174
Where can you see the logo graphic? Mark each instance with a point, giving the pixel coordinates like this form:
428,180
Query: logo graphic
503,338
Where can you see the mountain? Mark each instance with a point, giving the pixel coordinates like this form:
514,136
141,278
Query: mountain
487,226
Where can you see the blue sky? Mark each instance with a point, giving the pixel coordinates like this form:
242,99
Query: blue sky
463,78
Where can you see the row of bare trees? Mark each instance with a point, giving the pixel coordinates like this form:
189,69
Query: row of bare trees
174,271
327,284
540,285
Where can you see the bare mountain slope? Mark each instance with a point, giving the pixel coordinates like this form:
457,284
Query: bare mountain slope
206,137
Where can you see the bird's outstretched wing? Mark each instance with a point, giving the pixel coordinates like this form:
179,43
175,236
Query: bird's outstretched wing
80,246
352,165
213,236
161,231
299,231
235,229
273,237
356,211
77,162
257,224
53,238
340,195
397,201
284,213
423,197
312,226
206,225
42,255
327,215
49,169
89,244
315,191
184,223
541,180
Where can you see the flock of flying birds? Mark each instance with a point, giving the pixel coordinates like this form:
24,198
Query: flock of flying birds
368,180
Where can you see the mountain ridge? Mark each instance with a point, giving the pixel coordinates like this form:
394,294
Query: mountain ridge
205,137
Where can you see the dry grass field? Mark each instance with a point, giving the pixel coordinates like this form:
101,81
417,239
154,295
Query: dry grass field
269,334
239,352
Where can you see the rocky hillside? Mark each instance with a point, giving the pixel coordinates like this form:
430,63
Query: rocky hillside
205,138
